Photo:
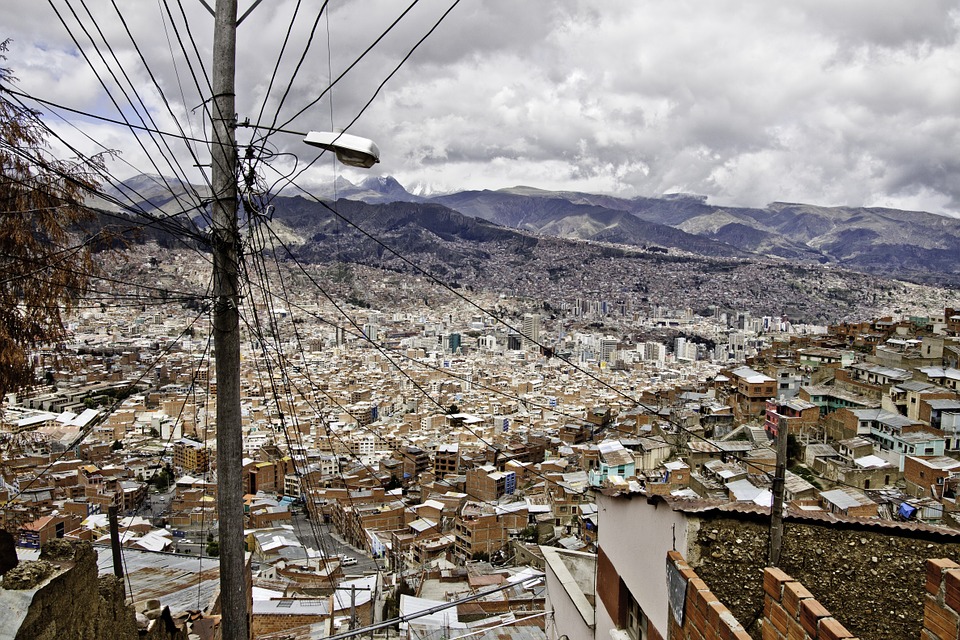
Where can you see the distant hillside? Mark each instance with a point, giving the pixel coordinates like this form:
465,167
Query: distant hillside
910,245
551,214
470,252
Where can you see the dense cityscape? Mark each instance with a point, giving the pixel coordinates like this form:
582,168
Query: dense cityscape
445,440
479,321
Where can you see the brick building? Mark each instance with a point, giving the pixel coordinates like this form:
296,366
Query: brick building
191,456
748,392
446,460
487,484
482,529
799,417
925,475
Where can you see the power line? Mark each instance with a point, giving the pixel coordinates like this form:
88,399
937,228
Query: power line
161,222
389,359
351,65
281,359
101,118
283,47
103,83
159,88
174,164
385,80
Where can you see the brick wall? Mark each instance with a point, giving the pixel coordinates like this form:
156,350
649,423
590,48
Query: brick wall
791,612
704,615
264,624
941,606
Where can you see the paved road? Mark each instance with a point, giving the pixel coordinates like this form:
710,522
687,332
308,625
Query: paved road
334,544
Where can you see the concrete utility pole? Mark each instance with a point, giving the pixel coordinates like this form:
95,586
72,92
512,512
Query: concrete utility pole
779,488
226,326
115,541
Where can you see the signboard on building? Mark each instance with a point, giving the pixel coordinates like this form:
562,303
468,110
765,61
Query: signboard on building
676,591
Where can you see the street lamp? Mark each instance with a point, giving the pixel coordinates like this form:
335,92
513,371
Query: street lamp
351,150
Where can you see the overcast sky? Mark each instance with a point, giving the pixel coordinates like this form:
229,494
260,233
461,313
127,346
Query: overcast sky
850,102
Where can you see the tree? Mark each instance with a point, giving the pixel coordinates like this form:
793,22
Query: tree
794,448
44,270
162,479
213,548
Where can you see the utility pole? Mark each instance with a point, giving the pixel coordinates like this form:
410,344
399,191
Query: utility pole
779,482
115,541
351,150
226,326
353,606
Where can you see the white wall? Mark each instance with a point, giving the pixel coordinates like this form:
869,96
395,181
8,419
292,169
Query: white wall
636,537
566,601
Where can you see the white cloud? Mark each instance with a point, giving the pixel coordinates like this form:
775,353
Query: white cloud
823,102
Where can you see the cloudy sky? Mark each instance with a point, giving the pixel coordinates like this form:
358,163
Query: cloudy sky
746,102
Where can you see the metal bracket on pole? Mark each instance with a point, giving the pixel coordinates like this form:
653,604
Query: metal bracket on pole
209,8
245,13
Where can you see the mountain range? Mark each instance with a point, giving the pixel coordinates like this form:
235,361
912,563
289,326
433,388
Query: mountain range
909,245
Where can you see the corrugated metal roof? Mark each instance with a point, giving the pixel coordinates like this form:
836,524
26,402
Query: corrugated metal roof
721,507
180,582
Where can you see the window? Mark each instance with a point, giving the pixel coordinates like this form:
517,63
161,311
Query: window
636,620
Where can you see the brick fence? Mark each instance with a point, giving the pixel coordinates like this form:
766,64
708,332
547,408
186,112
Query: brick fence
941,606
790,611
704,615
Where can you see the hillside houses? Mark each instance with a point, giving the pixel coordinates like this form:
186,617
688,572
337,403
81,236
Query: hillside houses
477,455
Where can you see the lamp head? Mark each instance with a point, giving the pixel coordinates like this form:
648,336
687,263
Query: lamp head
351,150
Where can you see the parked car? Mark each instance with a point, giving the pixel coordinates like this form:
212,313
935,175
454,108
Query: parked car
348,561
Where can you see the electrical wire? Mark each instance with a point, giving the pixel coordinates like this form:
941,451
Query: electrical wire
350,67
165,223
329,430
174,165
383,352
102,118
159,89
276,68
104,84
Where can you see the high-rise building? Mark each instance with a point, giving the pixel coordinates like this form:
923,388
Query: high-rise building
608,349
653,351
453,342
531,331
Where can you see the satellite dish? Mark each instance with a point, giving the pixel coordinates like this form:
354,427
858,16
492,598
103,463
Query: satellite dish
351,150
